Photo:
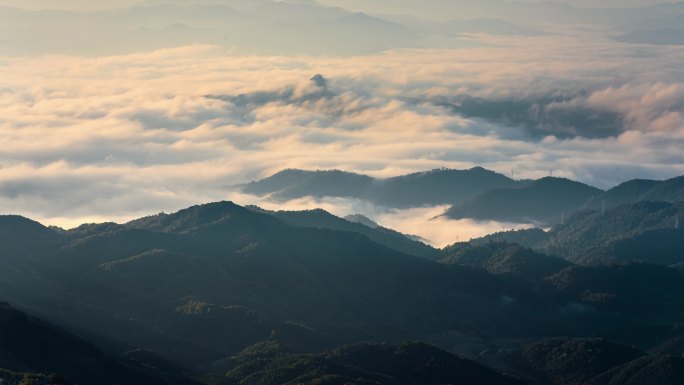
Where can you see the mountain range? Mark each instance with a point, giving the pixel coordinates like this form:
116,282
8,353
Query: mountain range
285,27
435,187
476,193
177,297
642,231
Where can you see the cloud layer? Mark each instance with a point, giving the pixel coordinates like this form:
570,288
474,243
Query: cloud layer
86,139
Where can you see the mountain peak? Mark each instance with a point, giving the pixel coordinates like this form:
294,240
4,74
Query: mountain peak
190,217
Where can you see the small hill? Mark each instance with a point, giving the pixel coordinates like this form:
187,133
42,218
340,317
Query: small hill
11,378
673,347
543,201
322,219
21,236
639,289
363,364
639,190
650,370
527,237
567,361
504,258
643,231
196,217
28,344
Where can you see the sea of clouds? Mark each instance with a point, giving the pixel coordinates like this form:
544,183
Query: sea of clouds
112,138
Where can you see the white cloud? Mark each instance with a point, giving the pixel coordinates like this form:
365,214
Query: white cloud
122,136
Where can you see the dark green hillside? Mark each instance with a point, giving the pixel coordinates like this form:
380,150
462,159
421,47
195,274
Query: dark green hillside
22,237
386,237
641,190
250,273
407,364
191,288
642,231
567,361
628,192
673,347
28,344
11,378
527,238
544,201
643,290
651,370
504,258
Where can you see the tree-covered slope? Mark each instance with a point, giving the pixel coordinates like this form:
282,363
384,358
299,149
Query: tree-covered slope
386,237
504,258
543,201
407,364
28,344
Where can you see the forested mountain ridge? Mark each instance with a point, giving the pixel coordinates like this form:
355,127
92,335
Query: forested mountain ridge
435,187
200,285
476,193
643,231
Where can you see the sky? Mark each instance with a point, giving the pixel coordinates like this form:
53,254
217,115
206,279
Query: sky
109,130
93,5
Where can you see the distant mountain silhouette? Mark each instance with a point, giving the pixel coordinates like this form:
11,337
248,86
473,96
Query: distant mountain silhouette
667,36
544,200
441,186
489,26
362,219
640,190
475,194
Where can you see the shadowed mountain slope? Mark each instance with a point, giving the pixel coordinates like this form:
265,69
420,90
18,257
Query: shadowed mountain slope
386,237
545,200
504,258
644,231
28,344
566,361
205,282
639,190
407,364
651,370
201,284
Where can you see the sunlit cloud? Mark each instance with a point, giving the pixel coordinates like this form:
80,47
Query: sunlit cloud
123,136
